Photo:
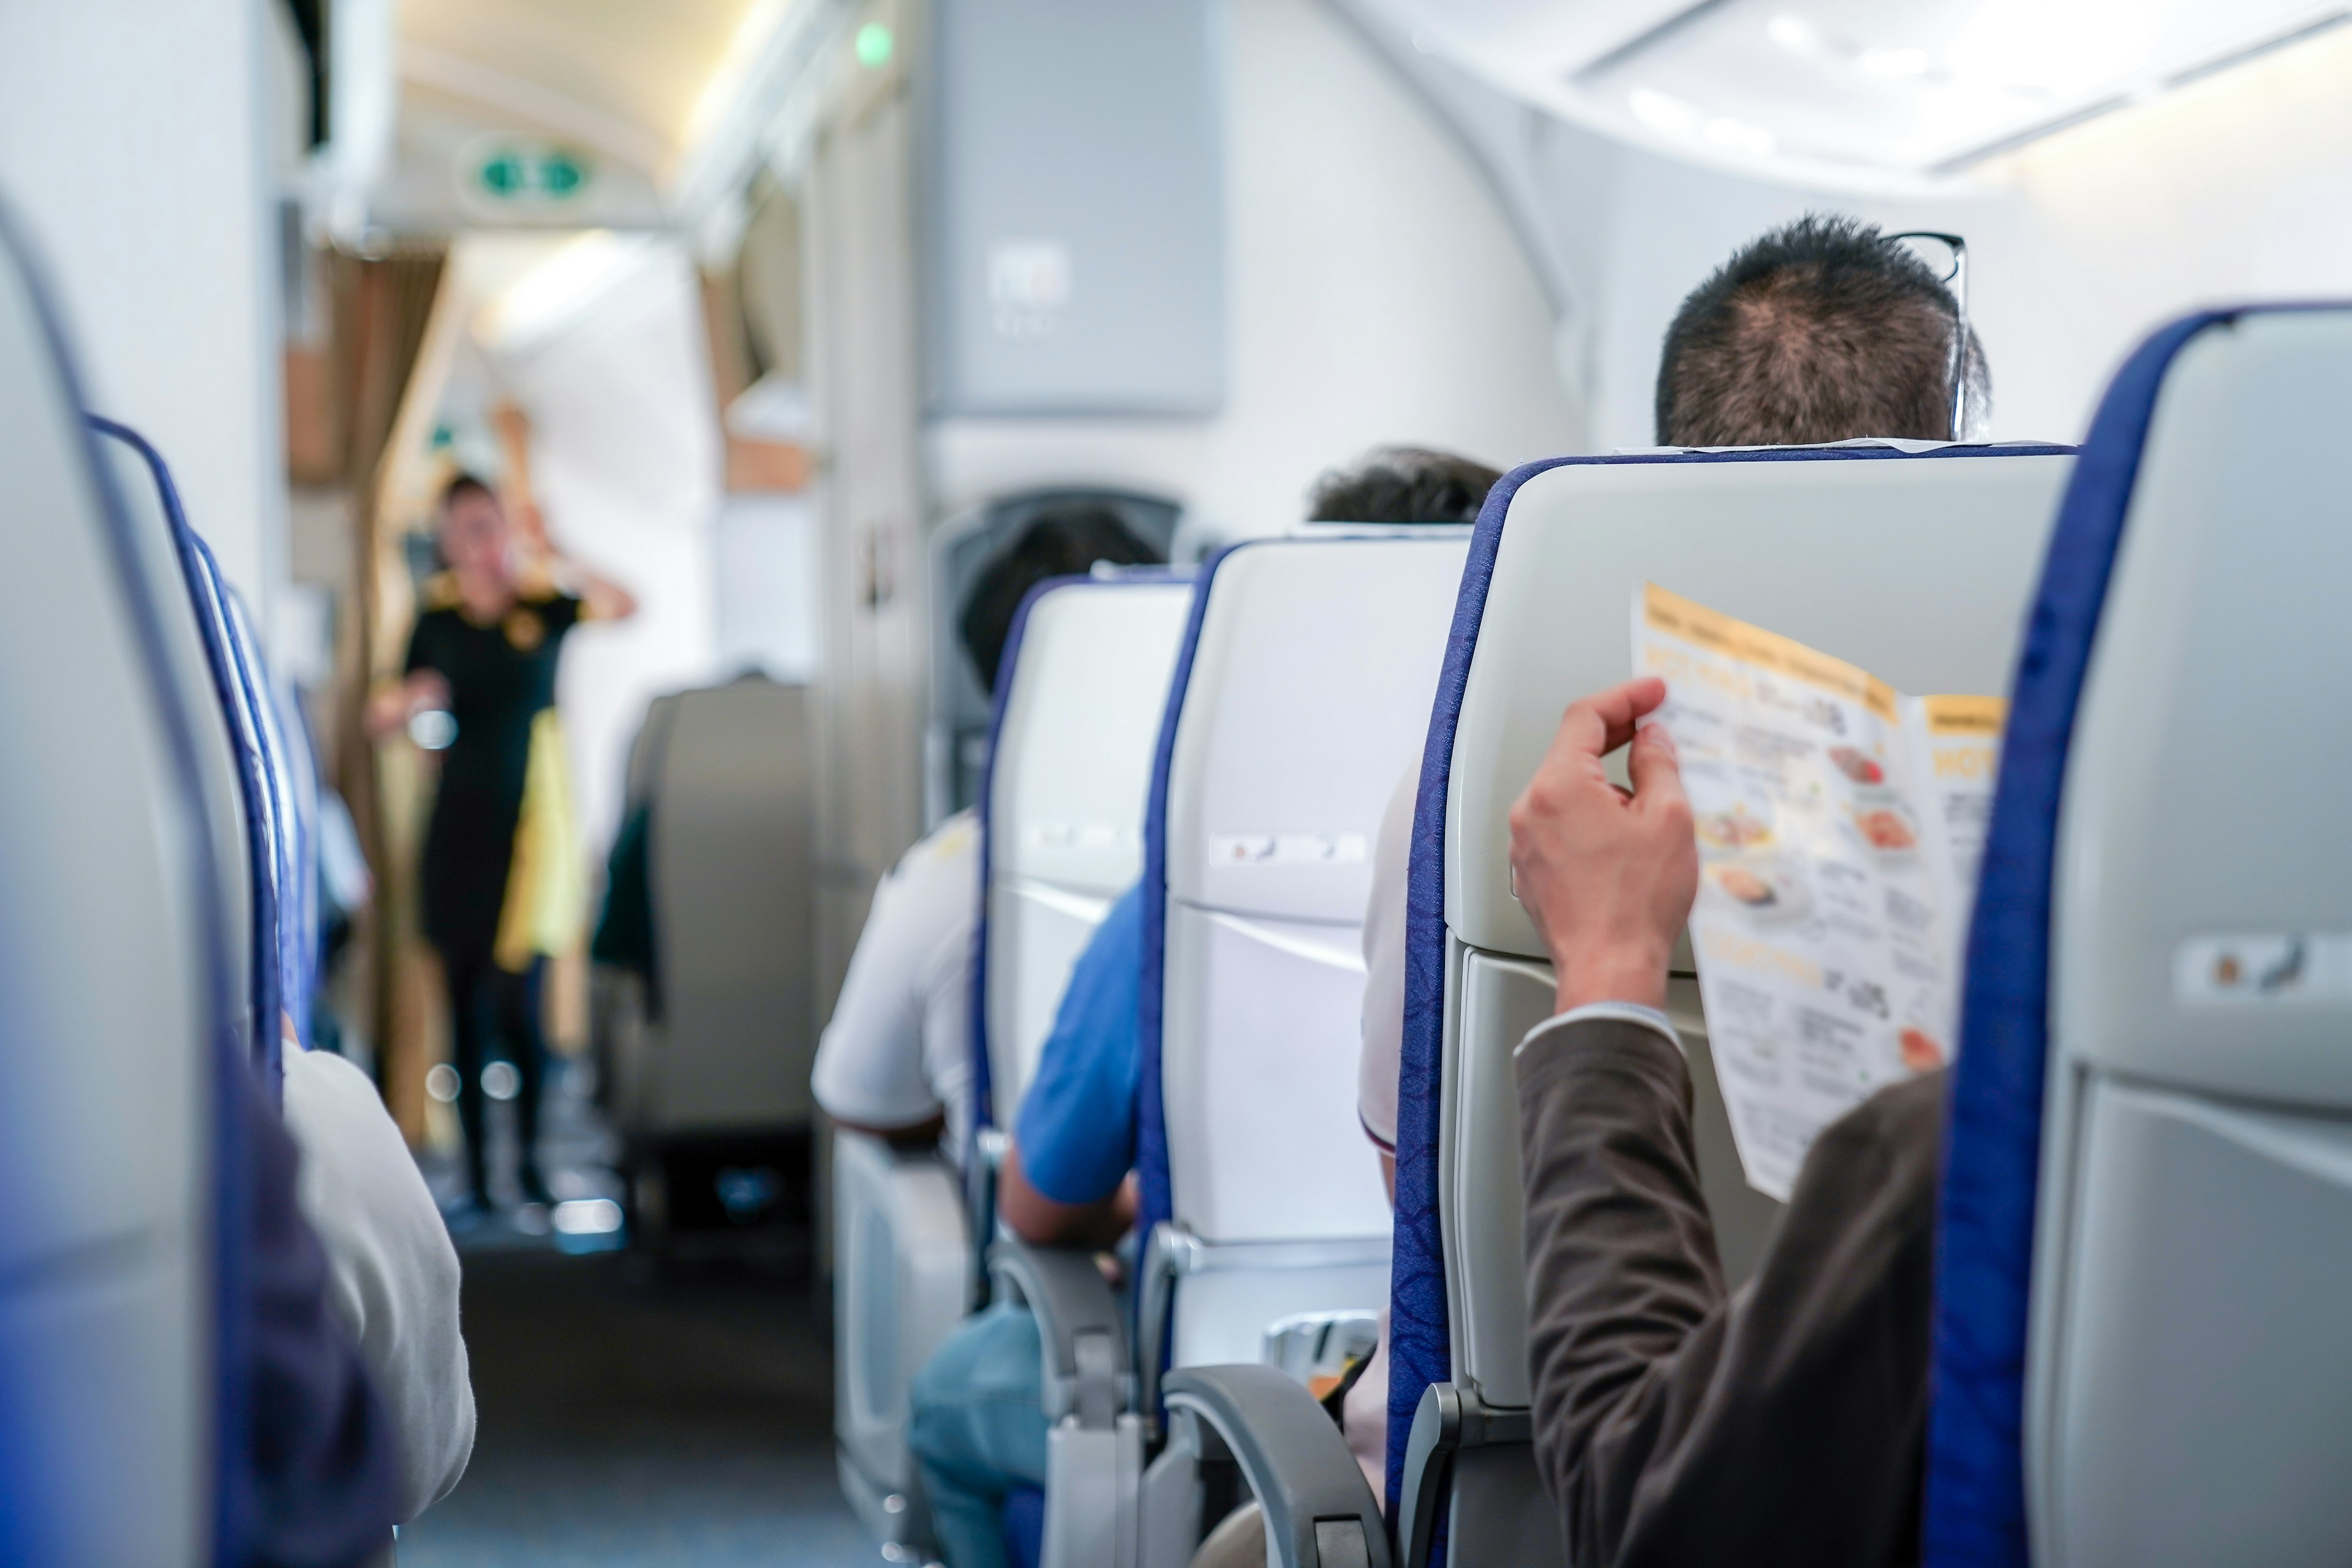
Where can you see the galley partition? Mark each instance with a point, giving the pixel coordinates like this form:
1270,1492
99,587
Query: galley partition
1915,566
2147,1220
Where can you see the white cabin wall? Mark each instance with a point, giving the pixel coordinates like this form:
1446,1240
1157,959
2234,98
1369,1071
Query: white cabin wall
626,467
2237,188
1375,294
135,144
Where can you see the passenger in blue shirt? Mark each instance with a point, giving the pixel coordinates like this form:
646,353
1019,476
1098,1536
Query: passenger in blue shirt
978,1426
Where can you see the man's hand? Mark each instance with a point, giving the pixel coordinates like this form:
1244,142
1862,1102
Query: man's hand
1608,876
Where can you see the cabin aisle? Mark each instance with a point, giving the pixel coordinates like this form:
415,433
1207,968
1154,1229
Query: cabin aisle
629,1420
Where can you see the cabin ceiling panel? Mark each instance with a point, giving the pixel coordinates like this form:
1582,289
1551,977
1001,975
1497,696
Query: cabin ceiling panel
636,69
1864,94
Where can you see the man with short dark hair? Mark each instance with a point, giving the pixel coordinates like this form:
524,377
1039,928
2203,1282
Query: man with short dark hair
1823,330
1403,484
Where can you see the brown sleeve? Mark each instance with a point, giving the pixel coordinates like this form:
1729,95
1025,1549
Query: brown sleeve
1673,1424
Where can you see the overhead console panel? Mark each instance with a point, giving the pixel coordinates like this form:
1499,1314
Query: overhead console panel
1890,95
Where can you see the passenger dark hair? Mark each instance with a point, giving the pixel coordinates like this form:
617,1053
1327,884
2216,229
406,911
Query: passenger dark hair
1403,484
463,485
1060,542
1823,330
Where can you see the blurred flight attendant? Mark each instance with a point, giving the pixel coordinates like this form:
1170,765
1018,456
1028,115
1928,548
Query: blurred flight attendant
501,870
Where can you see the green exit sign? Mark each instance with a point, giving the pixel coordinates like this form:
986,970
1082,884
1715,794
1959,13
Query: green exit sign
531,174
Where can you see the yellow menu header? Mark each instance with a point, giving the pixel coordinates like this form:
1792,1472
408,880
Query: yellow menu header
1983,717
1695,623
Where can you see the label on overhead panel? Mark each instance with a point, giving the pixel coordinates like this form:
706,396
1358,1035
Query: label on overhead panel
1288,848
1079,836
2265,967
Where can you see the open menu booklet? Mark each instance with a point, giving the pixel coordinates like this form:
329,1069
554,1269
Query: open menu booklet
1840,828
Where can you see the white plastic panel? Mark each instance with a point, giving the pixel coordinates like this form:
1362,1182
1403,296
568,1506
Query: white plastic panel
2201,1413
902,1278
1917,569
1262,1027
1481,1193
1222,1315
1072,762
105,1020
1310,692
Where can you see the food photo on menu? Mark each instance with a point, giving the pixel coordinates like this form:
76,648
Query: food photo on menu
1840,824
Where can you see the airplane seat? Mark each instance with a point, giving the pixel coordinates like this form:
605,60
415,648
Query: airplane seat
285,811
122,1397
2146,1215
1299,693
1084,671
715,1088
227,650
624,992
901,1281
205,686
1917,565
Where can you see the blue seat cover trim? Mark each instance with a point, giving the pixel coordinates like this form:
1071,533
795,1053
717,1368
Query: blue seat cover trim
270,742
983,1099
1421,1343
1976,1467
232,1529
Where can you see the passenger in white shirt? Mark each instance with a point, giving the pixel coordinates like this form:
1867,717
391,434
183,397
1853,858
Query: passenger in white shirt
895,1058
393,1272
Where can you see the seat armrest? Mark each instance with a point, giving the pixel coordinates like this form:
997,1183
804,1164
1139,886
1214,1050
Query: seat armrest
1083,1329
1318,1511
1448,1420
982,1175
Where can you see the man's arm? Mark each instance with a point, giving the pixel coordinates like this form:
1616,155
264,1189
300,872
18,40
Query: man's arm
1675,1424
1042,1221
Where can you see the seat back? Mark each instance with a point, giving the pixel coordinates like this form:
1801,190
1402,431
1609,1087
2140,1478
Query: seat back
902,1282
732,880
2155,1015
207,682
1301,692
117,1015
1915,566
1083,679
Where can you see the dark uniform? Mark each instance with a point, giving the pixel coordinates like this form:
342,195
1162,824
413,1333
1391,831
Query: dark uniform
477,906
